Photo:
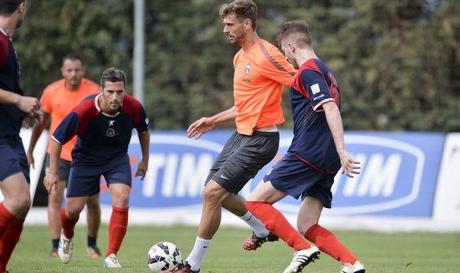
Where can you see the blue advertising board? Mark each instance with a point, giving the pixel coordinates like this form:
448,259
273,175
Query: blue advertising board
398,176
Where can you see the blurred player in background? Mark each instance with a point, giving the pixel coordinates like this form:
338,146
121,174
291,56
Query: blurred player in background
57,100
260,73
14,108
316,154
103,123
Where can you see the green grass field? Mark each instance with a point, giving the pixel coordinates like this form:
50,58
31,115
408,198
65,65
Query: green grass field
381,253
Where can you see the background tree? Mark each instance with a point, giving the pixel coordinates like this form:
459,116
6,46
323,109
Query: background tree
398,62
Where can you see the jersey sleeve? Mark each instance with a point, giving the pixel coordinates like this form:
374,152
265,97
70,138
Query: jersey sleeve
316,87
277,68
143,123
45,101
67,129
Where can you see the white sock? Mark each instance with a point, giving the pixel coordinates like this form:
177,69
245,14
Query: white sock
195,258
257,226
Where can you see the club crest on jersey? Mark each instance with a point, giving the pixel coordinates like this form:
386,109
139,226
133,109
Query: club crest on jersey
111,122
110,132
247,70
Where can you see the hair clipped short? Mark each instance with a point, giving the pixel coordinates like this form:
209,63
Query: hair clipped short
113,74
297,27
243,9
7,7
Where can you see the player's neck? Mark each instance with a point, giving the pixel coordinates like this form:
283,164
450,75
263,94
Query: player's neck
304,55
250,39
8,25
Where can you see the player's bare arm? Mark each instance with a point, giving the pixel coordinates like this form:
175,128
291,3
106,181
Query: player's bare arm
144,140
205,124
51,179
36,133
28,105
349,167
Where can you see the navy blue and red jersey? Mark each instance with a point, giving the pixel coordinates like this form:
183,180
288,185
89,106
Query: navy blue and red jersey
101,136
11,116
313,142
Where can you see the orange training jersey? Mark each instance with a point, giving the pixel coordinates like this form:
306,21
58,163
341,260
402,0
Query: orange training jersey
58,101
261,71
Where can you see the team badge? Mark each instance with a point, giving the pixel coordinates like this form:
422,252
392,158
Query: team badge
110,132
247,69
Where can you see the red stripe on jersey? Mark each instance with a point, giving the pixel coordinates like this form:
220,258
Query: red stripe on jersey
132,107
86,112
4,49
273,61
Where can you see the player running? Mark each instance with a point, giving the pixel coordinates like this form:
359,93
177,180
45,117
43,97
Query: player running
103,123
261,71
316,154
57,100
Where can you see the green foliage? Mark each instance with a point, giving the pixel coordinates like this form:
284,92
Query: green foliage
398,62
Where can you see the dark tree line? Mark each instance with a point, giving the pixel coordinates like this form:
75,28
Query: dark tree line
398,62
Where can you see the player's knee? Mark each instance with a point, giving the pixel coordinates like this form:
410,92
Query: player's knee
212,195
19,204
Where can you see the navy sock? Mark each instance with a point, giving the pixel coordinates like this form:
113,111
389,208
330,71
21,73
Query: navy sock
55,243
91,241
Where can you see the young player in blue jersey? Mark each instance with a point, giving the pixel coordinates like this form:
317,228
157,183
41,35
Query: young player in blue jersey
316,154
14,108
103,123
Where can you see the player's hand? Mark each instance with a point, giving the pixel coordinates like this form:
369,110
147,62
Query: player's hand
142,169
199,127
350,167
28,105
31,159
51,182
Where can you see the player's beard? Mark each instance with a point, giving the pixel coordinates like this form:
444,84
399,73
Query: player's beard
19,22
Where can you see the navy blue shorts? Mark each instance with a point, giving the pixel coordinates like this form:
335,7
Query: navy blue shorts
84,180
297,179
13,158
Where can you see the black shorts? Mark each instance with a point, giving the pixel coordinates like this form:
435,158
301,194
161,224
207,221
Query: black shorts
64,168
242,157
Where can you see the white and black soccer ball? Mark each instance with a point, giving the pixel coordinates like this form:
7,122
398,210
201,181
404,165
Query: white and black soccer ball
163,256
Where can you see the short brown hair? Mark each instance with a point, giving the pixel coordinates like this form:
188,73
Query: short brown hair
7,7
243,9
113,74
297,27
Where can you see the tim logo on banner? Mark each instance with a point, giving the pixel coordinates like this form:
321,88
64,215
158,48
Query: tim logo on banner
398,176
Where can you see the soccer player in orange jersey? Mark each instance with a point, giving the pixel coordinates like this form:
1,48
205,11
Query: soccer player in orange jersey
316,154
14,108
57,100
261,71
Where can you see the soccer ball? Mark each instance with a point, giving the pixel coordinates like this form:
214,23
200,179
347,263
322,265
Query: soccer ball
163,256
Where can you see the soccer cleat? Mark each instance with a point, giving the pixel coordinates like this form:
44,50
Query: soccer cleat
53,253
111,261
254,242
93,252
184,268
357,267
65,249
301,259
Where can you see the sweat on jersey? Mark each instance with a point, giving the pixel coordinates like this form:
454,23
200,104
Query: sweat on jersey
313,142
11,116
101,136
261,71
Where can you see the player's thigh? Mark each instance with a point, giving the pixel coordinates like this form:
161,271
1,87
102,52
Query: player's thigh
254,153
265,192
56,196
15,189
